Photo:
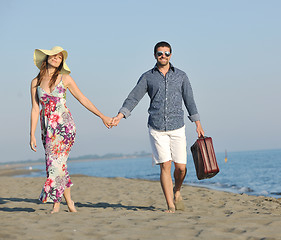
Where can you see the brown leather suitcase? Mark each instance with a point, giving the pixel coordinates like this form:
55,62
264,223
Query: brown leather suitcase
204,158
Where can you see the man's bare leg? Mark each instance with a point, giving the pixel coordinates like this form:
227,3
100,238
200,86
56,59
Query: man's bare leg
167,185
179,175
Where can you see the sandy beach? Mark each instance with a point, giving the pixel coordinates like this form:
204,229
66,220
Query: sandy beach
118,208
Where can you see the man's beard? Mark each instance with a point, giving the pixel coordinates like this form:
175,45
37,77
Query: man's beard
163,64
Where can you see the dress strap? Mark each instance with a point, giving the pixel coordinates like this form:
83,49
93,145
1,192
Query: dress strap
61,80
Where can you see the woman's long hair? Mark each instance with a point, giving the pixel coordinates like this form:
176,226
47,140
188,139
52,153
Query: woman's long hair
43,71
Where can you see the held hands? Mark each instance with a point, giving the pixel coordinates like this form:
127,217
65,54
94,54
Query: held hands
114,121
117,119
107,121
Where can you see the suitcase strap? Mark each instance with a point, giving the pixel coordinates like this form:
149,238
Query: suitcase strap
207,149
209,160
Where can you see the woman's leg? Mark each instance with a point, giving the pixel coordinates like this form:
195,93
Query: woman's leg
69,202
56,207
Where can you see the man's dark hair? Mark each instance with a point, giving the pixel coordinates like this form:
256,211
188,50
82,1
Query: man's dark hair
162,44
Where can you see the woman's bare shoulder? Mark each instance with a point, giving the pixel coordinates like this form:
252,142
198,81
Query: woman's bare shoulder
67,79
34,81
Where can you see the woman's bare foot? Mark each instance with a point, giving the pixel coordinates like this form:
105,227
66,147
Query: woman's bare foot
56,208
170,210
71,207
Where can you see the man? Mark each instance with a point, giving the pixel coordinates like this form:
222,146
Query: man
166,86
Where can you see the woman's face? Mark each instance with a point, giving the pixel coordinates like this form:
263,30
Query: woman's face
55,60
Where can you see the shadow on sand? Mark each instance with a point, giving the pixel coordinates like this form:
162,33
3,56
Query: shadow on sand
105,205
17,209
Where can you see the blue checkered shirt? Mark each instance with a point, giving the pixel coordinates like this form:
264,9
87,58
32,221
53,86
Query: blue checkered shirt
166,94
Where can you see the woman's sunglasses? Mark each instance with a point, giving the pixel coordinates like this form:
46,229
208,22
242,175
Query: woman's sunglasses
160,53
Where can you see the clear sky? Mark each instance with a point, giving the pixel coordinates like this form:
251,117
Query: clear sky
230,49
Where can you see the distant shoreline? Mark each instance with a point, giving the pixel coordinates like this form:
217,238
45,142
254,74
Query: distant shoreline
117,156
20,168
81,158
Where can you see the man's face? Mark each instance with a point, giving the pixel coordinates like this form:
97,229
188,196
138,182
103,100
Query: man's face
161,56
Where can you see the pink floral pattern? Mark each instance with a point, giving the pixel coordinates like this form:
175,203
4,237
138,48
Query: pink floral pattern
58,135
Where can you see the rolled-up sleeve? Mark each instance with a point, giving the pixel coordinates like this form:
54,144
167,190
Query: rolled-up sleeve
134,97
188,99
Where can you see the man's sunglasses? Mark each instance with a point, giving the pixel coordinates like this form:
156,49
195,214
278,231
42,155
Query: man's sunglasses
160,53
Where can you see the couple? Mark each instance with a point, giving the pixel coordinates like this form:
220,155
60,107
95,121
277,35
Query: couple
166,86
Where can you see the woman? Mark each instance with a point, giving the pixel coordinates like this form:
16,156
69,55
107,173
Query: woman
57,125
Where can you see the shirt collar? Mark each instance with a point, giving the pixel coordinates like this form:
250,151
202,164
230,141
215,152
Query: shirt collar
156,68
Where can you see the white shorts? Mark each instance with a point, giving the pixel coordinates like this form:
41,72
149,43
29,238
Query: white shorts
170,145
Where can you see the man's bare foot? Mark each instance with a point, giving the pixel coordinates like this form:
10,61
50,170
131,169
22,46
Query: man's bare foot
178,201
71,207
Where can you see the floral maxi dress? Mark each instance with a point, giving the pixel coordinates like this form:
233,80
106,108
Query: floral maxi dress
58,134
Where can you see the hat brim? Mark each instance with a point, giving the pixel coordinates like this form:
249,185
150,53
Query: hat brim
40,55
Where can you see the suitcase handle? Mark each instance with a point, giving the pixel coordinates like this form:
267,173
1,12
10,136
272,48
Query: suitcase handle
202,137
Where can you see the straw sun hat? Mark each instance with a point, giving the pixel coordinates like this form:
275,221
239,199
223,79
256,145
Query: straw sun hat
40,56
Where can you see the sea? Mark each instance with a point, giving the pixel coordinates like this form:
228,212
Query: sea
250,172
